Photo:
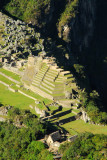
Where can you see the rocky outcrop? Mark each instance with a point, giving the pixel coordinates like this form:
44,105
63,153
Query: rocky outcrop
85,117
41,112
79,30
18,38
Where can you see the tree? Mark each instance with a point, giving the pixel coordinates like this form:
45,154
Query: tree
33,149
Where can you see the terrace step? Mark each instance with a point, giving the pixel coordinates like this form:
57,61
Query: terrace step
51,73
46,85
68,77
38,79
57,85
36,84
43,70
57,91
61,88
41,92
49,79
49,82
59,97
13,80
38,76
58,80
65,73
44,88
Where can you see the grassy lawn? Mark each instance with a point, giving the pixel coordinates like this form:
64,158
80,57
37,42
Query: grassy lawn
6,80
80,126
10,74
37,96
15,99
16,77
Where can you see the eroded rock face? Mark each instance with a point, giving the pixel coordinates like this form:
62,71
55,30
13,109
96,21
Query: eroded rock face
85,117
79,30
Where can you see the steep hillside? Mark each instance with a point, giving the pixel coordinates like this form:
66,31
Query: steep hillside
77,24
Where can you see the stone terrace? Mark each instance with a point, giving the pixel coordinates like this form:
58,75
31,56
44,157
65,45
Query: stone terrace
50,81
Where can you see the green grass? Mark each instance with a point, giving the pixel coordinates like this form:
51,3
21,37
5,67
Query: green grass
41,106
10,74
6,80
68,75
80,126
52,108
15,99
64,117
14,87
59,94
28,92
36,96
76,110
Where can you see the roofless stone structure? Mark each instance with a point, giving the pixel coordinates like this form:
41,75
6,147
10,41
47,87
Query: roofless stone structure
47,79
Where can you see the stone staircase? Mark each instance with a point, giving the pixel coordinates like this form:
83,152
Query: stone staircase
40,76
46,81
51,81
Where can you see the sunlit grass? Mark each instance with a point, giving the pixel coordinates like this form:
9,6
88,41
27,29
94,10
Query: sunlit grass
80,126
14,99
10,74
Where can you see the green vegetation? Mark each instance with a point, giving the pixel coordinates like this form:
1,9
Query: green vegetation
29,11
69,13
21,143
5,80
37,96
86,146
92,105
10,74
24,90
80,70
14,99
63,117
37,151
80,126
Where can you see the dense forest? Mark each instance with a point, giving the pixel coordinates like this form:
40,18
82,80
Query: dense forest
86,146
19,135
20,139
